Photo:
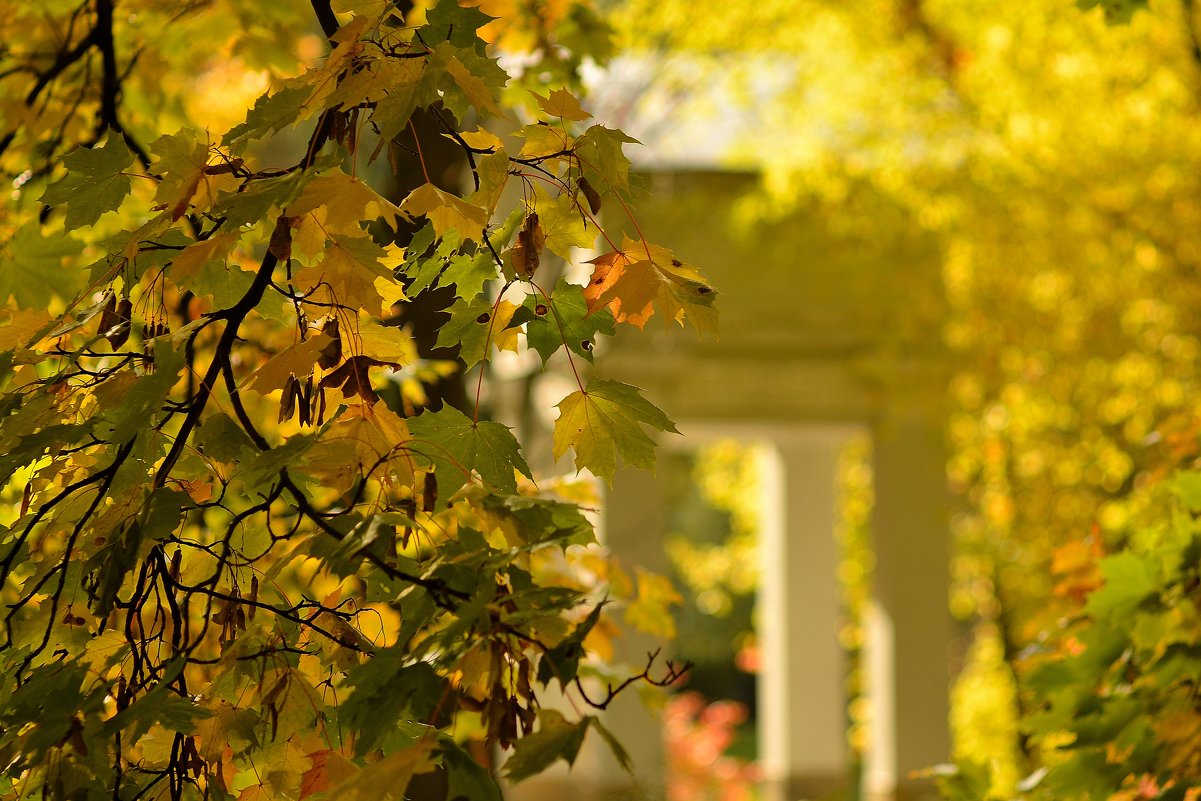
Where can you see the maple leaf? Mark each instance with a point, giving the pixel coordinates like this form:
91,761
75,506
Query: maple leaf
565,319
607,418
95,182
346,200
32,271
366,438
271,113
350,270
564,226
477,323
447,212
555,739
20,325
477,92
188,262
457,445
393,111
465,777
562,103
387,343
329,768
180,160
632,286
542,140
633,302
600,152
493,172
387,778
298,360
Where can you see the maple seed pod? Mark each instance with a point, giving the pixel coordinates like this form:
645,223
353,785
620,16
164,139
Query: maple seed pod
117,334
331,354
527,255
287,399
305,397
593,197
108,317
280,245
429,494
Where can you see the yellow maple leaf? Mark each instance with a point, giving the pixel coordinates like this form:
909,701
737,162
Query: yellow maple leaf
346,201
481,139
473,86
297,360
188,261
446,211
347,274
504,338
386,343
563,104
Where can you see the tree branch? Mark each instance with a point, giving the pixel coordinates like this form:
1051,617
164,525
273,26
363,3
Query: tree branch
325,16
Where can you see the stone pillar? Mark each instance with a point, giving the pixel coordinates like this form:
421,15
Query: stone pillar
909,688
802,703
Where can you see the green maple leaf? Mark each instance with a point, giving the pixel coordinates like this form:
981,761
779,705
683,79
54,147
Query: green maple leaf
563,661
469,273
253,205
618,750
465,777
95,182
603,160
565,321
565,227
606,418
450,22
1129,580
457,445
31,267
469,327
271,113
555,739
386,691
179,159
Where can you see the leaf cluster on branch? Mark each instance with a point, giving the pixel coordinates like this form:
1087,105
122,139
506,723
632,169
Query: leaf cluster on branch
241,560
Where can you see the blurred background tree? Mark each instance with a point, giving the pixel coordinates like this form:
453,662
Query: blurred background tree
1054,159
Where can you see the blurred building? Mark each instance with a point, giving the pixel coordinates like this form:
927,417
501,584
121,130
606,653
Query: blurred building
824,334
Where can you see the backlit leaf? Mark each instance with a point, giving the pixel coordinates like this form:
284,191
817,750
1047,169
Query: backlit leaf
605,419
456,445
95,182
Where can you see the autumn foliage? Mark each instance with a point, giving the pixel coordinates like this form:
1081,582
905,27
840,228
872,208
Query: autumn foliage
246,555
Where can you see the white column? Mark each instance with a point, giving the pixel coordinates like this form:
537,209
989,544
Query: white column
802,702
909,685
